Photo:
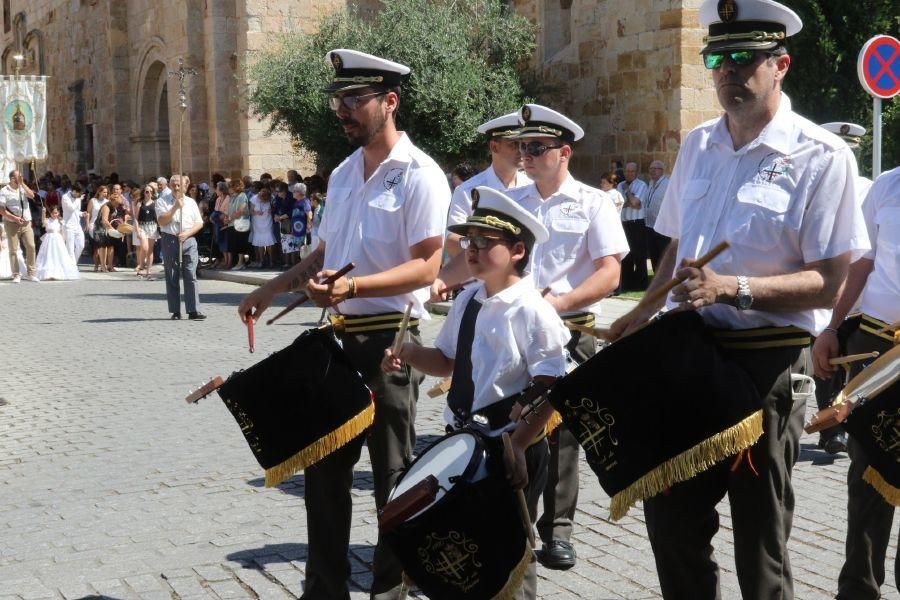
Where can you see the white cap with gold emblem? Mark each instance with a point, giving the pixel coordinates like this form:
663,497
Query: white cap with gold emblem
354,69
746,24
539,121
849,132
501,126
496,211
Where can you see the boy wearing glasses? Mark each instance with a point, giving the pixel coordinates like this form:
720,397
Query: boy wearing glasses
387,207
781,190
499,336
577,266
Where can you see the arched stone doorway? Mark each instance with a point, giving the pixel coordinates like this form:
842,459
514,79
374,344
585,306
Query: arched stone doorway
153,137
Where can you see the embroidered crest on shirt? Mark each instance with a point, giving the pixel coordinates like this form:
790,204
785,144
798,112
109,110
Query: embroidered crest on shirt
568,208
773,166
393,178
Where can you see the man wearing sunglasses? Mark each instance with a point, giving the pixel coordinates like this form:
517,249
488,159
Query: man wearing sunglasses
387,207
781,190
575,268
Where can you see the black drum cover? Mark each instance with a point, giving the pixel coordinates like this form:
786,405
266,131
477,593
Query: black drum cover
658,407
299,404
875,425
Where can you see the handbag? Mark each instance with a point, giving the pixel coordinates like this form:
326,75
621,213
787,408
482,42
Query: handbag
242,224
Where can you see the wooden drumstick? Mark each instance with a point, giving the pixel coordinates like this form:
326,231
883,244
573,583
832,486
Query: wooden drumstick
509,460
850,358
401,333
889,328
303,297
701,262
597,332
441,388
249,322
204,390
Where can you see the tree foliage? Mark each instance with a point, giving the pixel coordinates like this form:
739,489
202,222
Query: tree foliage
465,56
823,83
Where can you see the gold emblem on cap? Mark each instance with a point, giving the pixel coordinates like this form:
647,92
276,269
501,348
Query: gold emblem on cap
336,61
475,198
845,129
526,113
728,11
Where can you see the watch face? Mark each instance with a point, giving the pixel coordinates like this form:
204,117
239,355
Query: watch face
744,301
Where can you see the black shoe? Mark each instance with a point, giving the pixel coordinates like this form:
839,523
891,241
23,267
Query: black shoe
176,316
557,555
836,444
195,316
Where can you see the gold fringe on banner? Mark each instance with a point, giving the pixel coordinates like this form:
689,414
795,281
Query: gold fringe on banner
689,463
554,422
515,578
887,491
321,447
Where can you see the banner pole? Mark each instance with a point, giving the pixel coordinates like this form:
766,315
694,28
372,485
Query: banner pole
876,137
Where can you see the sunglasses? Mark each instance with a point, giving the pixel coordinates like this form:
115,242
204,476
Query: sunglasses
480,242
350,102
740,58
536,148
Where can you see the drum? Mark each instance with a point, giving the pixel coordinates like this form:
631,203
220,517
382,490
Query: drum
467,541
658,407
299,404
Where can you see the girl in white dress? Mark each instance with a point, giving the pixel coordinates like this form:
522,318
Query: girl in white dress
53,259
263,227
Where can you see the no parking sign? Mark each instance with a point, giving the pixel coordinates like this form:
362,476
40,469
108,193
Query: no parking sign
878,68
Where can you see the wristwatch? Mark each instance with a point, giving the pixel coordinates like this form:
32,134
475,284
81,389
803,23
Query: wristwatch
744,298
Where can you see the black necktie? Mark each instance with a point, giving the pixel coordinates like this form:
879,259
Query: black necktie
462,388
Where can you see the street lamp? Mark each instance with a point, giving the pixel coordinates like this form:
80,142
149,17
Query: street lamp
19,59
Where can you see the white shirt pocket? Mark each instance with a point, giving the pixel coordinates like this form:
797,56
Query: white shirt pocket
695,190
567,237
383,220
757,219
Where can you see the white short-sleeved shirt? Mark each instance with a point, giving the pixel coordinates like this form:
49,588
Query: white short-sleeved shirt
786,199
881,209
461,202
71,210
374,223
583,227
652,200
518,336
191,214
15,202
639,189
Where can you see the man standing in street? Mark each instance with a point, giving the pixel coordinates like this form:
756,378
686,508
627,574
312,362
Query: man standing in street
656,191
387,207
72,221
16,211
634,266
781,190
179,221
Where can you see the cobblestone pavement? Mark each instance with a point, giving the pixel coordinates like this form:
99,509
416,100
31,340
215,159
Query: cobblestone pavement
112,486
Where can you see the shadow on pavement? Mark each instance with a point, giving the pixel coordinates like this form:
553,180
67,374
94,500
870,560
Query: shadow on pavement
812,454
258,558
362,480
124,320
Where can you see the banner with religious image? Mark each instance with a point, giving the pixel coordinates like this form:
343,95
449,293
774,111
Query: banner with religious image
23,102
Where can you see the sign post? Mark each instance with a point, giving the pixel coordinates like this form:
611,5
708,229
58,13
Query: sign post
878,68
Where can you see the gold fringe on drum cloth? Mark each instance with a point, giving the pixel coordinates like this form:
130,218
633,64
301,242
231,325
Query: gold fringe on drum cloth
554,422
689,463
887,491
321,447
513,583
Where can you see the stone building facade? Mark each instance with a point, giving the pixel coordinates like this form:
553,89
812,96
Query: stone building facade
627,71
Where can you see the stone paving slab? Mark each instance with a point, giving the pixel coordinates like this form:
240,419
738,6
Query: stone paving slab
111,486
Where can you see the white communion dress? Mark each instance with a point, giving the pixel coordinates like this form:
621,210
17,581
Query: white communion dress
53,259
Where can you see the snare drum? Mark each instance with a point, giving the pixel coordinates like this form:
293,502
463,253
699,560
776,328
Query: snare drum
468,541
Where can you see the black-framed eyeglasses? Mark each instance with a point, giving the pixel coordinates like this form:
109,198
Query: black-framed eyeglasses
714,60
536,149
480,242
350,102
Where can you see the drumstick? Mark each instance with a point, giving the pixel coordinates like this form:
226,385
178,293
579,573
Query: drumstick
597,332
441,388
701,262
509,460
843,360
303,297
249,322
891,327
401,333
205,390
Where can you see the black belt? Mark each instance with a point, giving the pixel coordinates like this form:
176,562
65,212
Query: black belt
362,323
874,326
587,319
760,338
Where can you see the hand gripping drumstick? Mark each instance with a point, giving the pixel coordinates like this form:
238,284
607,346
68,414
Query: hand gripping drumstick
675,281
509,460
303,297
851,358
401,333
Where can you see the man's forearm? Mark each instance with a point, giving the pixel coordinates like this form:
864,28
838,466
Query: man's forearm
451,245
665,274
455,271
598,286
296,277
814,287
404,278
857,276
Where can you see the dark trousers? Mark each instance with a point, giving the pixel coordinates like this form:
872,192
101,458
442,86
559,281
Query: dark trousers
561,492
634,265
869,516
175,272
827,389
536,458
329,505
682,522
656,246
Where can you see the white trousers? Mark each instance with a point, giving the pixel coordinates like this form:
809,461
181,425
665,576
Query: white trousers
74,241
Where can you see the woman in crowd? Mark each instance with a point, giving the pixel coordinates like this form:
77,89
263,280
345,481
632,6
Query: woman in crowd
221,223
54,261
262,237
608,185
112,215
147,231
301,218
239,218
317,202
94,233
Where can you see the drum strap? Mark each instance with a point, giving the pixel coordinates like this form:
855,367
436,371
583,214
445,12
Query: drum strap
586,319
363,323
760,338
462,389
875,327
